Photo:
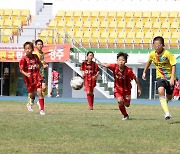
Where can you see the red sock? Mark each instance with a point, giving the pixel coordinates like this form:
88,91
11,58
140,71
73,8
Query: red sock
41,102
92,99
123,110
89,100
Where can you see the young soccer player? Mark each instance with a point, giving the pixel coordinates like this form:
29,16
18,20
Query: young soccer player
165,63
122,82
90,73
55,82
176,90
39,52
30,67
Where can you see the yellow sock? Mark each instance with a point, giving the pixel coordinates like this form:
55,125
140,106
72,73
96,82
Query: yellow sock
29,99
164,104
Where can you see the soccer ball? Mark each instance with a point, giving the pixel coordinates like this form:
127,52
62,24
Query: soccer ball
76,83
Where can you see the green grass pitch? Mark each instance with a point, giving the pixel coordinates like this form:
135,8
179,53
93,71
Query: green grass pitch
72,128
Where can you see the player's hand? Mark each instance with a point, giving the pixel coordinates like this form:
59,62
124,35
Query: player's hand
144,76
28,74
139,92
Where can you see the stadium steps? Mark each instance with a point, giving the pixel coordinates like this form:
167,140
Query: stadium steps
39,22
100,86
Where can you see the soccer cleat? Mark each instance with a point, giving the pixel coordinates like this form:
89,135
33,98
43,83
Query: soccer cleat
42,112
167,116
57,95
125,118
29,107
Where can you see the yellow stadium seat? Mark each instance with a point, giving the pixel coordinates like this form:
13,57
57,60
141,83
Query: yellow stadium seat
139,37
111,16
7,23
1,22
95,25
78,36
60,37
139,25
60,15
167,36
138,14
129,14
25,16
112,37
61,25
103,15
78,25
53,24
7,13
156,25
94,15
174,26
147,25
77,15
68,15
16,12
86,15
87,35
1,12
146,16
175,37
165,26
158,34
148,37
6,36
164,16
121,24
130,25
112,26
120,15
103,26
16,27
69,25
130,37
104,37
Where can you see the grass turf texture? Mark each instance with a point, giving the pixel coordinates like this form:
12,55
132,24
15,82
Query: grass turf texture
72,128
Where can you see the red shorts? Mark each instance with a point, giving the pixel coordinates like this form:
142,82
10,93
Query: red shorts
33,85
89,85
176,92
125,94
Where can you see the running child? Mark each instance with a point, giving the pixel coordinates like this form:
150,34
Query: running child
90,73
123,76
30,67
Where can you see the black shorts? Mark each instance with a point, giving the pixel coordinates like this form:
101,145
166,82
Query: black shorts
164,83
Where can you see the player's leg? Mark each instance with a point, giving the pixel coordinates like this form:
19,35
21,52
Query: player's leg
43,89
122,108
57,90
41,101
31,97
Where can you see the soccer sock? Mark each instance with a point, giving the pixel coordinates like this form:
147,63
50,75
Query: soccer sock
164,104
92,99
41,103
29,99
89,100
122,108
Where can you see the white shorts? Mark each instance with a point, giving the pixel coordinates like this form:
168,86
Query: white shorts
55,85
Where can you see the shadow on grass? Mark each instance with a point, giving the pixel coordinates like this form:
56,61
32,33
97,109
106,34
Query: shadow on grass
175,122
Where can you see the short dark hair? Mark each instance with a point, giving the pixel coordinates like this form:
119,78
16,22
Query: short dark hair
159,38
89,53
38,40
122,54
29,43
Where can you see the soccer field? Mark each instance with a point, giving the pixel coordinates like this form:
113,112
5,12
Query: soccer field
72,128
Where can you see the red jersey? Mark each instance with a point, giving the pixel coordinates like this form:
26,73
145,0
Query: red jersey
90,70
31,65
122,79
55,77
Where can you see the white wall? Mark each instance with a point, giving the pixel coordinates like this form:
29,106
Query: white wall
151,5
33,5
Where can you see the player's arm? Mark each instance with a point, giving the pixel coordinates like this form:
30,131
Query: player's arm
173,75
25,73
105,64
21,67
138,85
145,69
44,64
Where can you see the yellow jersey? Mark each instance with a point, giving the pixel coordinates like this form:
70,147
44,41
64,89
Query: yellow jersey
163,63
41,58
